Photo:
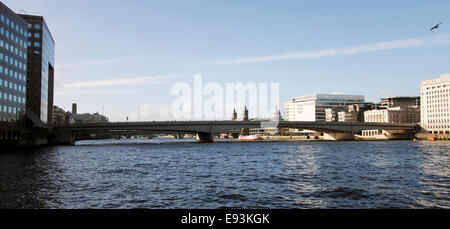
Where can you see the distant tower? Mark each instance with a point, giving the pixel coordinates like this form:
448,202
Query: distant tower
245,114
234,117
74,108
245,131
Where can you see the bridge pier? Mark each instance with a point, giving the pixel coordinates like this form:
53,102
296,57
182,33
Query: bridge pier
62,137
205,138
338,136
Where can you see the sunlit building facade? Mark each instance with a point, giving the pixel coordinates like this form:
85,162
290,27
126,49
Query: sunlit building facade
313,107
13,64
435,105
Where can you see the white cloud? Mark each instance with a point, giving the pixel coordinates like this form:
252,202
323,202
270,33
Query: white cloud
382,46
63,70
95,92
121,81
91,63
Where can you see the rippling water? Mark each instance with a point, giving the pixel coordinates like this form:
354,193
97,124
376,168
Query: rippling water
157,174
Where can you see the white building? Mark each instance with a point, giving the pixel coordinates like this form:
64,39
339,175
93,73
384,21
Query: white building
435,105
312,107
390,115
393,115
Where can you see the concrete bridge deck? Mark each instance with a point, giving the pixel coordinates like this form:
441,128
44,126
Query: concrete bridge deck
206,129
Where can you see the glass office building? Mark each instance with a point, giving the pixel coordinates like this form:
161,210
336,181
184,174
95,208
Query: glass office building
312,108
41,62
13,64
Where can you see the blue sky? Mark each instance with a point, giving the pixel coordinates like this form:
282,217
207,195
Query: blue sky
117,55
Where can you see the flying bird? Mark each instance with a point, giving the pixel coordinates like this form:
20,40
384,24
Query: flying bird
435,27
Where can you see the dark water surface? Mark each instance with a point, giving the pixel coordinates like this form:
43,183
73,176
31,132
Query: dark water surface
135,174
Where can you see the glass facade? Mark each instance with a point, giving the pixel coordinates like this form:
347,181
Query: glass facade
313,107
41,62
13,64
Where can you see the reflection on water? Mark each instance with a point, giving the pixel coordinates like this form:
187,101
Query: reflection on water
159,174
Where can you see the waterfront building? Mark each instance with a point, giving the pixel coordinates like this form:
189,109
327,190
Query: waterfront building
435,105
355,112
390,115
87,118
331,114
312,107
40,71
402,101
13,64
348,116
393,115
60,116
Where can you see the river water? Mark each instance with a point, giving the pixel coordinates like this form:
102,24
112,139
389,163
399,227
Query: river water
162,174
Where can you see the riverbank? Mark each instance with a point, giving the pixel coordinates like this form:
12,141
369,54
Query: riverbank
433,137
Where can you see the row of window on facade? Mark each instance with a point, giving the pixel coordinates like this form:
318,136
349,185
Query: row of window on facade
438,87
437,127
440,101
10,109
13,49
12,74
437,116
10,36
11,85
13,62
13,38
438,121
13,26
12,98
437,105
437,92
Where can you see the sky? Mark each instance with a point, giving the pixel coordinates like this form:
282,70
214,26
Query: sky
120,56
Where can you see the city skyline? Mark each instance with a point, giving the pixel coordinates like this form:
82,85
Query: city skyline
131,52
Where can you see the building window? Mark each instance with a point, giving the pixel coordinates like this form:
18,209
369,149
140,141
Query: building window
37,35
37,26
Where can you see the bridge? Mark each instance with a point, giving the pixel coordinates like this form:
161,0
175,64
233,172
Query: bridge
205,130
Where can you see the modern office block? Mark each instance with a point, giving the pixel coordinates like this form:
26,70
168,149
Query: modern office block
435,105
41,65
13,64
